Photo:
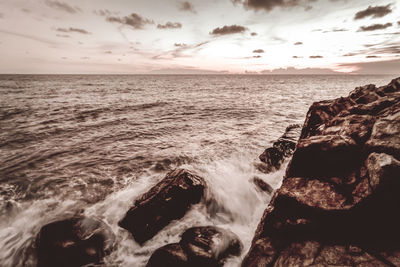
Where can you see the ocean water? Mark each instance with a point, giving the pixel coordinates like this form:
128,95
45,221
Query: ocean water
87,144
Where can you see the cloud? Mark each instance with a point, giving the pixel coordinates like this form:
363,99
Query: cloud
62,6
258,51
108,52
232,29
187,6
180,50
377,67
372,57
170,25
31,37
350,54
298,43
315,56
292,70
70,29
296,57
268,5
105,12
133,20
336,30
1,15
255,34
63,35
374,12
374,27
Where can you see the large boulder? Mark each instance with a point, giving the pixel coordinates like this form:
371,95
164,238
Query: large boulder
282,148
168,200
339,201
73,242
199,246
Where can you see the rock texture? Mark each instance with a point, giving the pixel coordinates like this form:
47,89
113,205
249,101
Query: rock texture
73,242
168,200
282,148
339,202
199,247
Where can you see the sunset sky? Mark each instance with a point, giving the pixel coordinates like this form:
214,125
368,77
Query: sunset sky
199,36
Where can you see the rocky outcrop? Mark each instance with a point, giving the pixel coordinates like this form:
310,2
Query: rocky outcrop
339,201
168,200
281,149
199,246
73,242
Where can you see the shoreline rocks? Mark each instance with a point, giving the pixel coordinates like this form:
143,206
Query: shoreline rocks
199,246
339,201
281,149
73,242
168,200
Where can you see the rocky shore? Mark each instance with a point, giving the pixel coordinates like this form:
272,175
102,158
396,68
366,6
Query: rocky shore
337,206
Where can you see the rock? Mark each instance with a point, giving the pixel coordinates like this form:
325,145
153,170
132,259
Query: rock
263,186
338,202
199,247
171,255
73,242
168,200
274,156
209,245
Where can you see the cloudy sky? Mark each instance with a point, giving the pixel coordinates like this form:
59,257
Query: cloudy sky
173,36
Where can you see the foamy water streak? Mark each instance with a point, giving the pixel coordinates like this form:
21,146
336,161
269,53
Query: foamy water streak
93,144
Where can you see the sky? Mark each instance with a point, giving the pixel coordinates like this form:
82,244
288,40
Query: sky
200,36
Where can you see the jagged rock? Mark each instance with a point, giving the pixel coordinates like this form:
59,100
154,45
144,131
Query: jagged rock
262,185
274,156
171,255
199,247
168,200
73,242
338,204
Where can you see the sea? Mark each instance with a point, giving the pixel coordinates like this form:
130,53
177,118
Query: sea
92,144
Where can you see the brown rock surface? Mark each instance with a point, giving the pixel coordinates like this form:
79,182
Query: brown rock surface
168,200
339,202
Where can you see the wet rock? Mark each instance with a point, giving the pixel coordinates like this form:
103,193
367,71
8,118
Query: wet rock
209,245
73,242
168,200
262,185
274,156
199,247
338,203
171,255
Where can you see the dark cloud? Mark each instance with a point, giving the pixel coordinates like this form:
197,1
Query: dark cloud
336,30
374,27
133,20
269,5
315,56
108,52
372,56
62,6
180,44
373,11
253,34
298,43
187,6
398,23
296,57
70,29
170,25
258,56
232,29
258,51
